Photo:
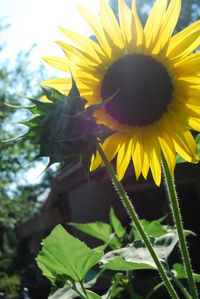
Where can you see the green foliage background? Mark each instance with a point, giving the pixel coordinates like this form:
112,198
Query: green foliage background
18,201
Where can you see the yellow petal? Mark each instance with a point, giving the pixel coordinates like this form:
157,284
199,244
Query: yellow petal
193,80
186,91
128,27
64,84
137,153
188,109
95,25
86,44
139,28
169,22
188,67
146,165
167,148
45,99
183,140
123,158
58,63
154,22
186,147
146,151
110,25
77,55
58,83
111,146
95,161
194,123
155,159
184,43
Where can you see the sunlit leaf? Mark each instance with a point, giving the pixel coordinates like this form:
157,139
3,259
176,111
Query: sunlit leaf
64,293
180,272
99,230
136,256
64,255
116,224
153,229
92,295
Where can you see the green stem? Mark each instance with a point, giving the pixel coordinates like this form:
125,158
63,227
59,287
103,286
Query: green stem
73,287
160,285
155,289
181,287
84,291
136,221
130,286
177,218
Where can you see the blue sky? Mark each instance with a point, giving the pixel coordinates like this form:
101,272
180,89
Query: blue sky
37,21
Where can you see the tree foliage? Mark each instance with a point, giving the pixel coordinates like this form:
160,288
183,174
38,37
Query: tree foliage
18,201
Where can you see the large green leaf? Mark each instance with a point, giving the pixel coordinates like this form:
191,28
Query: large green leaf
116,224
99,230
153,229
92,295
67,292
64,256
136,256
64,293
118,263
180,273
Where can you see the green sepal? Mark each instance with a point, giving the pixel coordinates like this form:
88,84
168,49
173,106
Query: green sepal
63,128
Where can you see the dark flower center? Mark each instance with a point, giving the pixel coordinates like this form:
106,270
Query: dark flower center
144,90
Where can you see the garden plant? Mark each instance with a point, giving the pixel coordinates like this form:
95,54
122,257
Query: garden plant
133,95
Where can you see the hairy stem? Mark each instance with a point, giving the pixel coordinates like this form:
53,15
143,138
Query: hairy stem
181,287
131,211
179,226
155,289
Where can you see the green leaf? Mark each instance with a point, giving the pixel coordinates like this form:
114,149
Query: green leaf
92,295
180,273
116,224
119,264
179,159
68,293
116,288
136,256
153,229
64,293
99,230
198,143
64,255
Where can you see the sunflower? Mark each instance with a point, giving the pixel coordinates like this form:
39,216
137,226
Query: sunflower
152,77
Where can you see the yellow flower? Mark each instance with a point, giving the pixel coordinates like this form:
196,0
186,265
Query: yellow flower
154,77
